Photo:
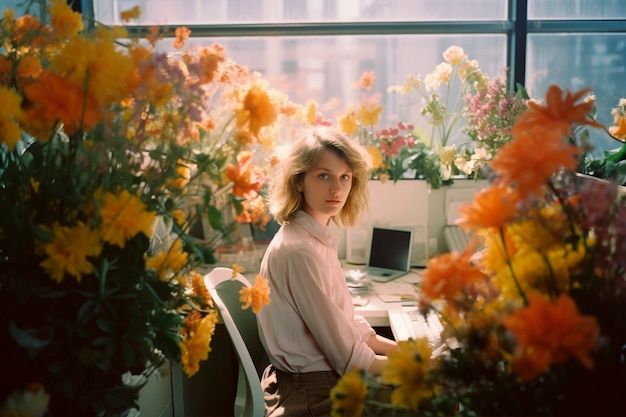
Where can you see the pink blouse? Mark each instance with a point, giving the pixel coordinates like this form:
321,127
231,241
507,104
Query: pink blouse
310,324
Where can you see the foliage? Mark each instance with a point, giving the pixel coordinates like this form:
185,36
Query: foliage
532,309
109,152
612,164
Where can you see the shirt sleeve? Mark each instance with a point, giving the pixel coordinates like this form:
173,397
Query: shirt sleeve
328,313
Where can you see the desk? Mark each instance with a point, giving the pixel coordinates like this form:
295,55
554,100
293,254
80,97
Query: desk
376,310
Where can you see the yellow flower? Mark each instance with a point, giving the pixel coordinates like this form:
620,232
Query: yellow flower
348,123
63,19
123,216
69,249
9,130
236,270
368,113
171,261
376,155
348,395
408,369
197,345
310,112
179,217
447,155
8,21
256,295
199,288
100,62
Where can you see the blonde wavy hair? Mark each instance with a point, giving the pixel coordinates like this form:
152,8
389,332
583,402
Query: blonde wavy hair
285,199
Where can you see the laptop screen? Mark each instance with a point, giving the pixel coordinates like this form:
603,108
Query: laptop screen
391,248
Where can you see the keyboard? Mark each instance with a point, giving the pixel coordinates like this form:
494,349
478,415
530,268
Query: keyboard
409,323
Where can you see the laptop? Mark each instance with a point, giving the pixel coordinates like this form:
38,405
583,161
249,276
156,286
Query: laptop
389,254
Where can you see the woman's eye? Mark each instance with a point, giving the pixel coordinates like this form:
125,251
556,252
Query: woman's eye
345,177
323,176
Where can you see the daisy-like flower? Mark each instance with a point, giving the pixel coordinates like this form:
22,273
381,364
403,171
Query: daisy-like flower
246,178
557,115
123,216
63,19
368,113
196,344
348,395
454,55
447,275
69,250
257,110
550,333
256,295
367,80
492,207
171,261
528,171
348,123
10,132
408,369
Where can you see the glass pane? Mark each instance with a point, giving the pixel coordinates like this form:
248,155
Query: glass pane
576,61
327,69
273,11
576,9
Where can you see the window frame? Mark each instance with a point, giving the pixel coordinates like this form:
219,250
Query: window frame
516,28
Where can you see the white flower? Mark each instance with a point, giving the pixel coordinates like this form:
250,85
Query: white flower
454,55
441,75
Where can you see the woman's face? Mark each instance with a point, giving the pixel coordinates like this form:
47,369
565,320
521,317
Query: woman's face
326,187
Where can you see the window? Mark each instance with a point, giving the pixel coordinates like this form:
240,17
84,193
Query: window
317,49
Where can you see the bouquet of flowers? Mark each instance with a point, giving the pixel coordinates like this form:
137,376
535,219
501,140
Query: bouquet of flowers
418,146
109,152
533,309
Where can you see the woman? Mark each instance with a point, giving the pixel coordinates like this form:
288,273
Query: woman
310,330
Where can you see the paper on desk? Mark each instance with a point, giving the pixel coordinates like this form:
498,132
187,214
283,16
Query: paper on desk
396,291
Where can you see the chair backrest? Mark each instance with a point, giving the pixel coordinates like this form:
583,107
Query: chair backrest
242,327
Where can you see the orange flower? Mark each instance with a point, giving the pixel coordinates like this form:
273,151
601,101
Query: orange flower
447,275
247,180
64,20
558,114
550,333
133,13
182,34
492,207
367,80
257,110
255,296
619,131
51,99
209,61
520,164
29,66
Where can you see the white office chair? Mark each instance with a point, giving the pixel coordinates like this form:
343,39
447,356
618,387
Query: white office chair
242,327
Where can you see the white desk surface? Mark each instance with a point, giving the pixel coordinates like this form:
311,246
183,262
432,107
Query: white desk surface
387,296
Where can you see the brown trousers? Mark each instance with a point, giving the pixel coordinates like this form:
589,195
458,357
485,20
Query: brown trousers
297,395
